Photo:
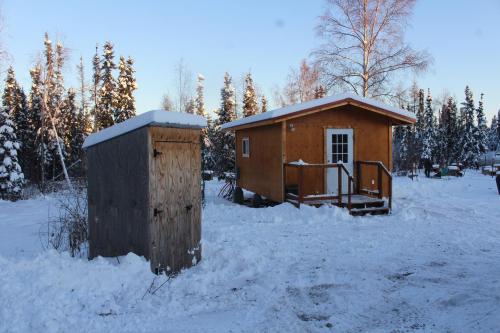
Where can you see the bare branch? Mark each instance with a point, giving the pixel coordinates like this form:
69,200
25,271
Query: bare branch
364,45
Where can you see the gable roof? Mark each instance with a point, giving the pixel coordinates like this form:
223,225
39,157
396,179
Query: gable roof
155,117
296,110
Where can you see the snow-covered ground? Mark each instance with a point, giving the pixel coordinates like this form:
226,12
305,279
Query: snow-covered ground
431,266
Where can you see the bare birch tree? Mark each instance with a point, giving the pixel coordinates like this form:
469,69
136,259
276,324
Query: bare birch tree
364,45
301,85
183,83
51,106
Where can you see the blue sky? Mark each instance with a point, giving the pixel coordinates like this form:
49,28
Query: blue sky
265,37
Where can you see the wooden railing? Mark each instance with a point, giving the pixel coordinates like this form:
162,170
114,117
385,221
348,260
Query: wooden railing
381,170
302,197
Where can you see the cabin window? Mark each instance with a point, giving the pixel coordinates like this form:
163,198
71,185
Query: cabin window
245,147
340,148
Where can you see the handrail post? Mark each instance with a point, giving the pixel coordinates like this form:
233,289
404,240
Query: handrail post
379,180
300,189
358,176
339,174
349,184
284,182
390,193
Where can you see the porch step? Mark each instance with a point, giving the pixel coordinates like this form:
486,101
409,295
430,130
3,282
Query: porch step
371,211
362,201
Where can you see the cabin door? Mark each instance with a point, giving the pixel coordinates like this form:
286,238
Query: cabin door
339,149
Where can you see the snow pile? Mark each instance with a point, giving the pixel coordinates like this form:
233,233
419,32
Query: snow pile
431,266
299,162
156,117
316,103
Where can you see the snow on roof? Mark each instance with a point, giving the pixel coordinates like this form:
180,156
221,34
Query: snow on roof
313,104
158,117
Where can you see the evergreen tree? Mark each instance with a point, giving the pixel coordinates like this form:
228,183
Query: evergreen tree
428,132
470,149
397,146
250,106
10,91
74,131
481,129
200,99
263,104
319,92
420,123
224,140
450,132
498,126
96,83
49,104
36,119
14,102
84,103
190,106
125,101
493,135
409,155
107,90
25,131
11,175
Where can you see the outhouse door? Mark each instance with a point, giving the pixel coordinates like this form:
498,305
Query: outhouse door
176,201
339,149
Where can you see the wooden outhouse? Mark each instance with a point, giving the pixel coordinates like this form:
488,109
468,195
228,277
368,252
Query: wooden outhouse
335,150
144,192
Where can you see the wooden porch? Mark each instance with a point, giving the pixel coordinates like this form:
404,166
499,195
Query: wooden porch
358,199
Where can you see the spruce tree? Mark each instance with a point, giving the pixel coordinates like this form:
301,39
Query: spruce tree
451,135
470,149
84,102
190,106
397,146
46,134
263,104
74,131
26,133
96,83
41,154
319,92
481,129
428,131
493,137
420,123
224,140
200,99
107,90
11,175
250,106
125,101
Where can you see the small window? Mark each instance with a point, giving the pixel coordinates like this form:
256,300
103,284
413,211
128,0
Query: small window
245,147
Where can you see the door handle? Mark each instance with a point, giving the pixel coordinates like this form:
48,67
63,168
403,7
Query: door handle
156,212
188,207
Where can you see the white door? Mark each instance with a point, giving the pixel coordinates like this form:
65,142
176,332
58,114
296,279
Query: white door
339,149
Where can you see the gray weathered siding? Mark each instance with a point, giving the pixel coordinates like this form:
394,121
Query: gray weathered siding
118,187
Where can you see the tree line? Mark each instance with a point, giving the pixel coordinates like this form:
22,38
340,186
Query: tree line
444,135
218,147
42,132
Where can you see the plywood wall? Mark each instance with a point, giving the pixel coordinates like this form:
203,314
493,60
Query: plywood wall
305,139
262,172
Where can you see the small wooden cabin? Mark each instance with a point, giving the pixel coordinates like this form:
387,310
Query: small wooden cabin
144,192
335,149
